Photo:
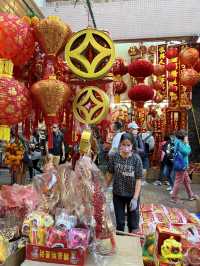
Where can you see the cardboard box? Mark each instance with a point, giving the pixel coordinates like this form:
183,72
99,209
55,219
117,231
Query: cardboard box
56,255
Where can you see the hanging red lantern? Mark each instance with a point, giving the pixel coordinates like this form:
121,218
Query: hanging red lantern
140,69
171,78
197,65
119,87
119,68
158,70
15,103
172,52
171,66
51,94
189,56
141,92
16,39
189,77
157,85
173,88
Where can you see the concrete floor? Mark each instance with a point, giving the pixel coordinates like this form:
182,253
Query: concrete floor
159,195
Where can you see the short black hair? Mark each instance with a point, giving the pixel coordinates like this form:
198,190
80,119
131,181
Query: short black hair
118,125
130,137
181,134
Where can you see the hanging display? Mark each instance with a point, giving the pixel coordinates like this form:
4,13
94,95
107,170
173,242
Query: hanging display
90,53
91,105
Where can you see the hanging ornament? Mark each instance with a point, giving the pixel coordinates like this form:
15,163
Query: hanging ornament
90,54
171,66
157,85
119,87
16,39
140,69
91,105
171,77
189,77
189,56
119,67
141,93
173,88
172,52
51,94
15,103
158,70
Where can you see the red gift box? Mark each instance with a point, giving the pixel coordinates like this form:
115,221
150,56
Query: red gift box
56,255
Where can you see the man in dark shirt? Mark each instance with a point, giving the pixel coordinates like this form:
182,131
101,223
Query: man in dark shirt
58,150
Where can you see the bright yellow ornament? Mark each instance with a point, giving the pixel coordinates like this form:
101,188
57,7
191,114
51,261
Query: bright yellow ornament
91,105
85,144
90,53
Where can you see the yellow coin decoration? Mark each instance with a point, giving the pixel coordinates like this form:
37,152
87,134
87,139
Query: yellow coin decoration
91,105
90,53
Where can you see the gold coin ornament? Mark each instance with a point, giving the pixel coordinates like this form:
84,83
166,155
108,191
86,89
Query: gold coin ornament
91,105
85,141
90,53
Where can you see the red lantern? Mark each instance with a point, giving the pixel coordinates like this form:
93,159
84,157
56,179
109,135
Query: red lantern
189,77
16,39
172,52
140,68
15,103
158,70
119,67
51,94
141,92
119,87
197,65
173,88
157,85
171,78
189,56
171,66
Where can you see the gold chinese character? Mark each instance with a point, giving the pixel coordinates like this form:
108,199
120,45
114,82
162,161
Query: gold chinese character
42,254
161,49
66,256
174,60
162,56
53,255
60,255
47,254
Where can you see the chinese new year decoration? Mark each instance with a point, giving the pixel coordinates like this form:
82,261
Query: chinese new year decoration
141,93
90,54
140,69
14,155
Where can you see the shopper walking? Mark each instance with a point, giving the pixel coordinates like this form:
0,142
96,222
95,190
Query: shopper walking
125,169
58,150
118,131
181,164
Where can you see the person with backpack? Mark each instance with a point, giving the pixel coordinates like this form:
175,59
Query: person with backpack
181,165
168,160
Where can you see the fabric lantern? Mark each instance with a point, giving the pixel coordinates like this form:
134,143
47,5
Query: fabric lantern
197,65
171,66
16,39
119,87
15,102
158,70
140,69
171,78
119,68
172,52
189,56
51,94
189,77
141,93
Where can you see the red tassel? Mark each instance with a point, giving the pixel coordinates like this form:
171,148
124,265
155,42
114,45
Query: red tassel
27,129
50,120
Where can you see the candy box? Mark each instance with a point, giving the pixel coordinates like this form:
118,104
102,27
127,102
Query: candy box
56,255
162,234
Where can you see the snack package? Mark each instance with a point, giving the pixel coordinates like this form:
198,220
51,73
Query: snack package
65,221
57,238
79,238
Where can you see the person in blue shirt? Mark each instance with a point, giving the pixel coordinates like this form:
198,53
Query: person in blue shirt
182,146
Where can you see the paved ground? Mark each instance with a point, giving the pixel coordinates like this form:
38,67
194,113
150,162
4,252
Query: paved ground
159,195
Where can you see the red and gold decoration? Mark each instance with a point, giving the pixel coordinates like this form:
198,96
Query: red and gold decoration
172,52
51,94
14,155
91,105
90,53
189,56
16,39
141,93
119,87
160,68
15,103
189,77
